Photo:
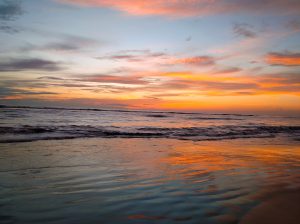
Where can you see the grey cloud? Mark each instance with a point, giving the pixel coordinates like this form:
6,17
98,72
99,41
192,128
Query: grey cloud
7,91
134,80
30,64
228,70
141,51
62,46
284,88
50,77
8,29
294,25
28,83
133,55
244,30
10,9
205,85
72,43
70,85
62,42
282,78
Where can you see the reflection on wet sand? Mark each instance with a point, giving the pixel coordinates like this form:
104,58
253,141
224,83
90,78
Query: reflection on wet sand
143,180
283,207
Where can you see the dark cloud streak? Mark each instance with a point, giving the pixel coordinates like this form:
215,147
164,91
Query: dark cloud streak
30,64
133,55
9,92
10,10
133,80
65,43
244,30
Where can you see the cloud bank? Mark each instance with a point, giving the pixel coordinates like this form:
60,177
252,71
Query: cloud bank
186,8
283,59
29,64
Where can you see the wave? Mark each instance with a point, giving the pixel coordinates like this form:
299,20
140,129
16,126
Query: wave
27,133
124,111
217,118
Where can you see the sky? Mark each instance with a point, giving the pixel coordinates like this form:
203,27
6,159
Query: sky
187,55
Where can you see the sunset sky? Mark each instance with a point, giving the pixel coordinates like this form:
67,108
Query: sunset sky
194,55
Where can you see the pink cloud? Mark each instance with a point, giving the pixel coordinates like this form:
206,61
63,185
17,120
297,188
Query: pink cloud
183,8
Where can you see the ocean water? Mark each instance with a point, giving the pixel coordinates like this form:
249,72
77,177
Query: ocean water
28,124
61,166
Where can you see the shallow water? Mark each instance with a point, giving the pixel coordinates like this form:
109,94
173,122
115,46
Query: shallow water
129,180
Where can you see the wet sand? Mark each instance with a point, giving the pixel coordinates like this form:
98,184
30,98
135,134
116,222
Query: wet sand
149,181
282,208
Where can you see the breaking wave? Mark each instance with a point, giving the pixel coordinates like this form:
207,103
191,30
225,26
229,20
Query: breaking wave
32,133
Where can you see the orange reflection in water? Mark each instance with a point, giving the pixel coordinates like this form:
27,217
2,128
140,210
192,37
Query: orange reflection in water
159,179
228,173
253,163
219,155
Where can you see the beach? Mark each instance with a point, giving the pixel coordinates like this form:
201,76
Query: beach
148,180
282,208
150,112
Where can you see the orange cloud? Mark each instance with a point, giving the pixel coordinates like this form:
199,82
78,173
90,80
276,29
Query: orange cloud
198,60
283,59
163,90
235,103
191,7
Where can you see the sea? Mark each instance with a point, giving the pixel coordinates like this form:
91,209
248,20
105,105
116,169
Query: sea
31,124
98,166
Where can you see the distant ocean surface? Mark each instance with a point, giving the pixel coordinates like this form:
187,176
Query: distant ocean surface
31,124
